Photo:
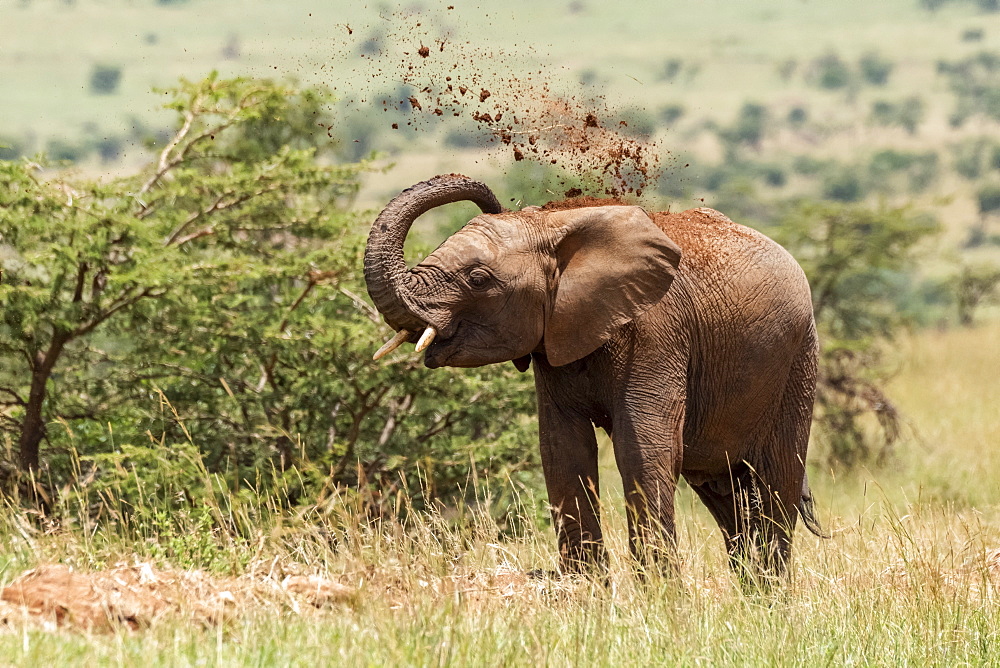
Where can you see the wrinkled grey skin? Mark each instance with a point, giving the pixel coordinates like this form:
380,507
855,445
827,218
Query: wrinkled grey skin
690,339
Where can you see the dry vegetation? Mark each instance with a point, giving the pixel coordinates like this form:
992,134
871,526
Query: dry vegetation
911,576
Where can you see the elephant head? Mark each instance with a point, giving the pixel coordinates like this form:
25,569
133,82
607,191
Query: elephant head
554,279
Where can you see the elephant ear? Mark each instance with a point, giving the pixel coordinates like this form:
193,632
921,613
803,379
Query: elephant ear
613,264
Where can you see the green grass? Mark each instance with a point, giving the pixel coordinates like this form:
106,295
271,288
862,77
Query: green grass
910,576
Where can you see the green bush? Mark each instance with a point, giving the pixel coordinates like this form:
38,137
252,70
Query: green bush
975,81
975,156
831,72
856,259
12,148
104,79
671,113
216,299
875,68
907,113
892,170
843,185
797,116
64,150
747,129
636,122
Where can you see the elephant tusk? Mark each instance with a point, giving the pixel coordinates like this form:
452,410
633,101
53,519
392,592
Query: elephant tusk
425,339
390,345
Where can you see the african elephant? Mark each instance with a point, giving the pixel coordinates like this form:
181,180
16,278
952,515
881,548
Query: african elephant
688,338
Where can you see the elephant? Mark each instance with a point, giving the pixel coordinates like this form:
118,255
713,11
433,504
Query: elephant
688,338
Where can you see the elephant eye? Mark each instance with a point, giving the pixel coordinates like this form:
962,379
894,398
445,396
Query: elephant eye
479,278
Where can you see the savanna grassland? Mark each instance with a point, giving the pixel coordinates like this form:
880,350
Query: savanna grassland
909,577
236,482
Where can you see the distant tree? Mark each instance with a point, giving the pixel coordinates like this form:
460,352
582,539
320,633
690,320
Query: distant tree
972,35
231,49
786,69
916,170
975,156
875,68
65,150
853,256
797,116
973,286
104,79
747,129
975,81
907,114
671,113
636,122
11,148
988,203
843,184
670,69
831,72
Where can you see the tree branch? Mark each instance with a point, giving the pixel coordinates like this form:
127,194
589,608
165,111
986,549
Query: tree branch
362,305
125,303
17,400
217,205
165,163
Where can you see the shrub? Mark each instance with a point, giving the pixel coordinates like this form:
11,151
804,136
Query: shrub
104,79
972,35
671,113
972,286
64,150
855,257
670,69
975,81
843,184
907,114
988,199
975,156
214,299
11,148
831,72
916,169
875,68
797,116
747,129
636,122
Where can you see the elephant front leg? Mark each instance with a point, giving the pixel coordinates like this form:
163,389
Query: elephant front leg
569,462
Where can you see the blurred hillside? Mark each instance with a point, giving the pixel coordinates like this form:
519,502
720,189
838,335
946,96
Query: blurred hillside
749,103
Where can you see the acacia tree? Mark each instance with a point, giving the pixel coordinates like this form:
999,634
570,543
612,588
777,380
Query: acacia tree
856,259
215,298
82,255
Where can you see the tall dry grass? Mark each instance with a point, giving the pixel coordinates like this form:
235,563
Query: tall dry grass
910,576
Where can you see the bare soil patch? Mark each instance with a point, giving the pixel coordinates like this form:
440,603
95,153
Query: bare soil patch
54,596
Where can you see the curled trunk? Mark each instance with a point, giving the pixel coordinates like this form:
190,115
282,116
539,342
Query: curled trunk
385,269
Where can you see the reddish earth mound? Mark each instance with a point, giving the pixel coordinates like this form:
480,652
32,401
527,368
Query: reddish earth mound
54,595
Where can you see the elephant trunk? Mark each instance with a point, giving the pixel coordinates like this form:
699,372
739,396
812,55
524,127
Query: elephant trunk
385,269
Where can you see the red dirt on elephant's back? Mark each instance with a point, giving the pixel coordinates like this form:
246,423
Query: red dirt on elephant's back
579,202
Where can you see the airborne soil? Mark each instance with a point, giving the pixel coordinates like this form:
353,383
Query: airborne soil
516,109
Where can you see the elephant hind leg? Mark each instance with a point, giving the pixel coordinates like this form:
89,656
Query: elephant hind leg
756,521
758,503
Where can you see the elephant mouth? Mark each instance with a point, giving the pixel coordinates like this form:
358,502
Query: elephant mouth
442,351
459,351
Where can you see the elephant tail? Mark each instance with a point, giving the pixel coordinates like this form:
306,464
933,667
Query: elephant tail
808,511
